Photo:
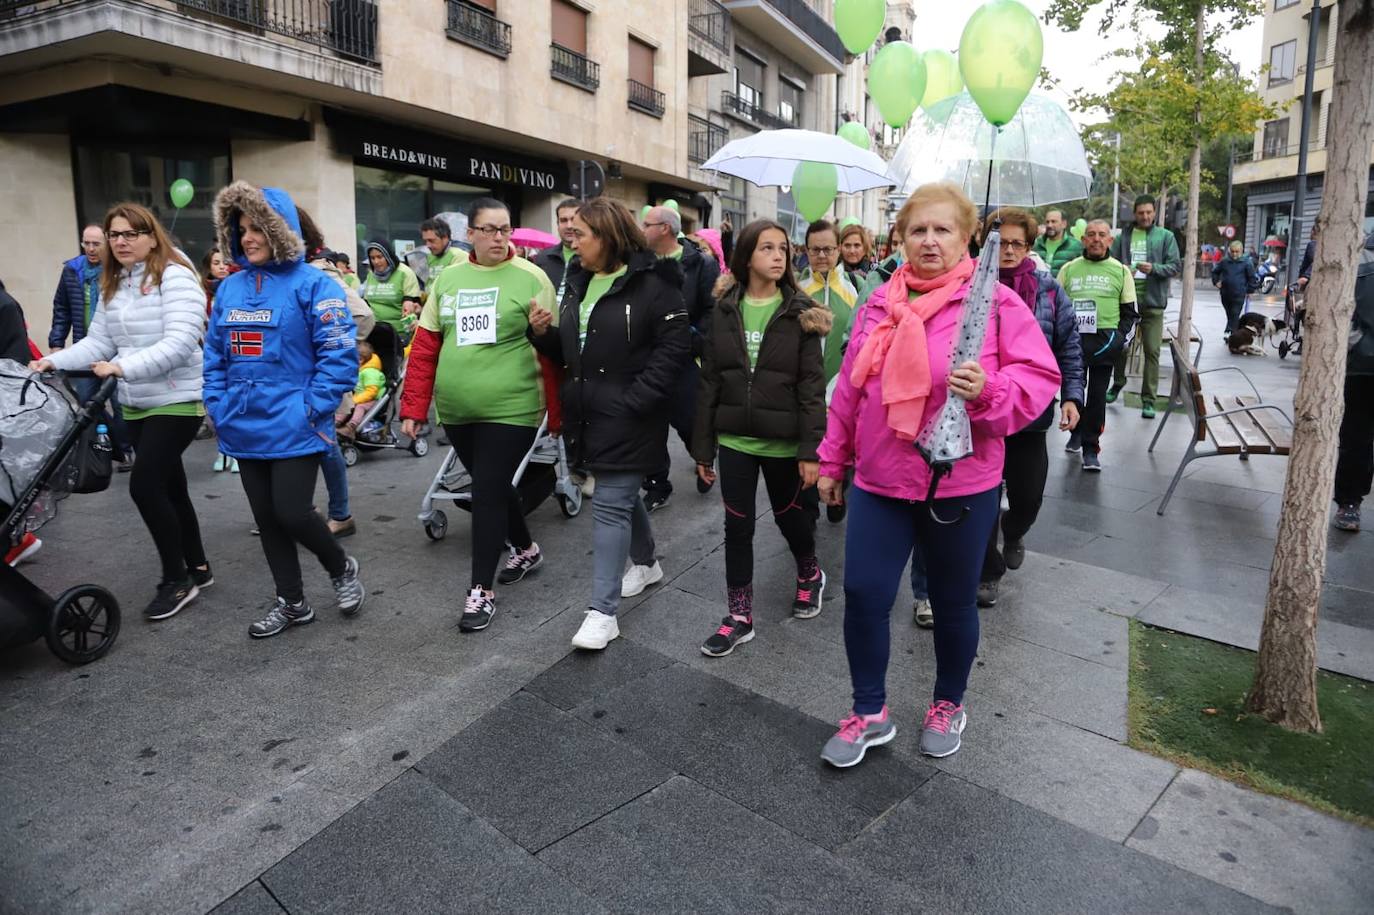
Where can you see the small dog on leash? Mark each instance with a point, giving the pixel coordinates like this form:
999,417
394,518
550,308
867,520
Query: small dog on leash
1253,332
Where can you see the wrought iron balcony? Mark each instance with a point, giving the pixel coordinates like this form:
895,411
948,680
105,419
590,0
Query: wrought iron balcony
347,27
646,99
708,20
752,112
704,139
479,28
571,67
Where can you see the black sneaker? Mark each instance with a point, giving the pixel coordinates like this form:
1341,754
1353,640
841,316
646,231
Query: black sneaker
202,578
171,597
808,601
478,610
1013,553
520,564
732,632
835,513
1091,462
281,616
987,593
1074,444
656,499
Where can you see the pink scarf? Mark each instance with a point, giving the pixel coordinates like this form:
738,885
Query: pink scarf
1021,279
906,379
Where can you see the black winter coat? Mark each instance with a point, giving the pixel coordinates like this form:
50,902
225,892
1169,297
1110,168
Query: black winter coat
617,385
1235,277
699,275
783,396
550,260
14,334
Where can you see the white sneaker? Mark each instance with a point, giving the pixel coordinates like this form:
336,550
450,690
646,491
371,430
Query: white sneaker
639,578
597,631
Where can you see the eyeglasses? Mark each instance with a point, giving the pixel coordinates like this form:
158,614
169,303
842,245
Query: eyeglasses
1015,245
493,231
92,244
127,236
821,252
650,225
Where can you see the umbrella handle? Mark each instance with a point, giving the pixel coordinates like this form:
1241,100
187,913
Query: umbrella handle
937,471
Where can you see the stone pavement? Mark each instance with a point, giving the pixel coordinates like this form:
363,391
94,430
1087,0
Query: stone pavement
388,763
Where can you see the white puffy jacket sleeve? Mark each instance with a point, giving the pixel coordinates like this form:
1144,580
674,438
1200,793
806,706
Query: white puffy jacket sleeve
183,327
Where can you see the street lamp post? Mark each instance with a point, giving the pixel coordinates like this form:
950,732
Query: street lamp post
1300,192
1116,184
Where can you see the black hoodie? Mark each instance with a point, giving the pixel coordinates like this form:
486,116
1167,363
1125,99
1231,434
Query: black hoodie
618,383
14,334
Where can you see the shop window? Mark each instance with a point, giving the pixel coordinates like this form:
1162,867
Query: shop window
1282,60
569,26
391,205
108,173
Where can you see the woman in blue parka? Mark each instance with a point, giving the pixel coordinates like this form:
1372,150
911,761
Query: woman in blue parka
279,355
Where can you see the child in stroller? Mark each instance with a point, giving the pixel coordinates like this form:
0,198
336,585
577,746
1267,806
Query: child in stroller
375,425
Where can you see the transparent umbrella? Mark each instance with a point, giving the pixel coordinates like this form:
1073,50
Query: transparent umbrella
769,157
1037,158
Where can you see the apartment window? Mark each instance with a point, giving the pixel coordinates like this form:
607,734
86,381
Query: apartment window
748,78
488,5
789,102
1282,60
1276,138
641,62
1283,4
569,27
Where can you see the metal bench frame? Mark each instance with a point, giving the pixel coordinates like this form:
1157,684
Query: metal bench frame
1188,381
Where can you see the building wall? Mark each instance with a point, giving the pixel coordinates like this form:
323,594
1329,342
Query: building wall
316,177
39,230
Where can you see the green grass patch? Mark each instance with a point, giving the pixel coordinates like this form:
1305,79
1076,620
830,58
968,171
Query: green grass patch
1187,704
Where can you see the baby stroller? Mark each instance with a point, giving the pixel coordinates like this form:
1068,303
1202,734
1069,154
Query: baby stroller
1294,311
543,472
378,427
41,429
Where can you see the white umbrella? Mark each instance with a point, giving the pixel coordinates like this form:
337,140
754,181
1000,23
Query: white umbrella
1038,156
769,157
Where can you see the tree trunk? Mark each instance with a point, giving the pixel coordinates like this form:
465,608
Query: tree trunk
1185,305
1285,687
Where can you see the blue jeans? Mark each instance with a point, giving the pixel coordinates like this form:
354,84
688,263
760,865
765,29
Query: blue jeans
880,536
620,528
336,482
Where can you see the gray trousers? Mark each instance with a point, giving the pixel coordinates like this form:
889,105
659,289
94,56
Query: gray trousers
620,528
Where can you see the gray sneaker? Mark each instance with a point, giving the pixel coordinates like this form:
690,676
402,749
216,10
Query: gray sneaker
349,589
282,616
925,616
856,734
987,593
944,723
1347,517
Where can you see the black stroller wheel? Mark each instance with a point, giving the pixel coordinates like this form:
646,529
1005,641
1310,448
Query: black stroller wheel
350,454
571,506
83,624
437,525
419,447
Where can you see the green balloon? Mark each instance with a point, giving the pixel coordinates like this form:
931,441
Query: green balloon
1077,231
897,81
672,205
942,78
361,230
644,211
814,185
858,22
999,57
848,221
181,192
855,133
1080,223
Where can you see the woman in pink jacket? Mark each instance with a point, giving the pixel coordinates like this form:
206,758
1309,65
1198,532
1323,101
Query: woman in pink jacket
895,377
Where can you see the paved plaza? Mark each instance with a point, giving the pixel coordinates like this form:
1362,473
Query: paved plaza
389,764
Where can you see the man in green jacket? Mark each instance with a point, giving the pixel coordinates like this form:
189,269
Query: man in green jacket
1057,247
1152,254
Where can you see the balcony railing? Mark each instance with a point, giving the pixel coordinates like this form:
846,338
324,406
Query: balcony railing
1277,152
734,105
571,67
704,139
479,28
710,21
646,99
812,24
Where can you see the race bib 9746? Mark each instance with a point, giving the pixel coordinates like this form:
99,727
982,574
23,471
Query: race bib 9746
1085,312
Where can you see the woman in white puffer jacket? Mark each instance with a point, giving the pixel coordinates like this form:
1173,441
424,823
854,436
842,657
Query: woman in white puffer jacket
146,331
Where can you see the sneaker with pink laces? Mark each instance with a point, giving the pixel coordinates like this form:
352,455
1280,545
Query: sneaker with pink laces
944,723
809,594
856,734
520,564
733,631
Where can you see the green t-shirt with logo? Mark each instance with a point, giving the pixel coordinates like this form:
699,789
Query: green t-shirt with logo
488,372
599,286
1098,289
755,315
1140,253
387,297
436,265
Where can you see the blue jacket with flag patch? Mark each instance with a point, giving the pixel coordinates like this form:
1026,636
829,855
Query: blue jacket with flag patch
279,351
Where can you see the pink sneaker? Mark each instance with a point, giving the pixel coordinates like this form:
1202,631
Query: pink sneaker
944,723
857,733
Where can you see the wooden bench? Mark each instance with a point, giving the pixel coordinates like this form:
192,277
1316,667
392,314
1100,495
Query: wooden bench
1135,350
1238,425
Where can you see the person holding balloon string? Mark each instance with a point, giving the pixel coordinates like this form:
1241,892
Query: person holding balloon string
895,379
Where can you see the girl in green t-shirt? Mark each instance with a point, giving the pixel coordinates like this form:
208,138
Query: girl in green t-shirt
762,400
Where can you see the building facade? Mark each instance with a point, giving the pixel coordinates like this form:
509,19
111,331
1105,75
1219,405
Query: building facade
1270,168
373,116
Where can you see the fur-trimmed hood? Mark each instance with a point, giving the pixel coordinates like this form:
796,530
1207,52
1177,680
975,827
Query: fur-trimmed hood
271,209
813,317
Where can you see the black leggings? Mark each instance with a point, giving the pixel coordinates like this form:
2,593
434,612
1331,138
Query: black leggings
491,452
794,509
280,493
158,487
1093,420
1025,470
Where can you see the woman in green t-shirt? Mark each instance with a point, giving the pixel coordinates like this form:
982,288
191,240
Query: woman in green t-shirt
472,357
762,400
391,289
